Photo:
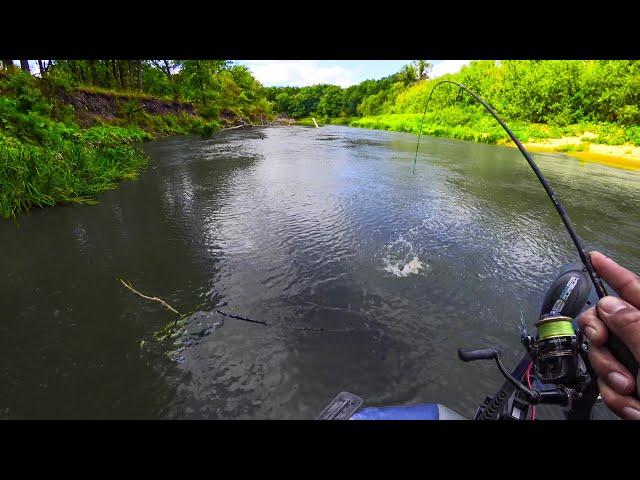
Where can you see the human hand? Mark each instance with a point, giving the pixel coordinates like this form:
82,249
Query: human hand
621,316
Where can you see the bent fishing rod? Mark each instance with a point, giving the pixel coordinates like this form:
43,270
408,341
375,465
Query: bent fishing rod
597,282
552,327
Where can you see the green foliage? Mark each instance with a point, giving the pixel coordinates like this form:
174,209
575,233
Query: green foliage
44,161
215,86
410,123
458,122
204,129
67,171
558,93
572,147
46,158
130,110
633,135
367,97
209,111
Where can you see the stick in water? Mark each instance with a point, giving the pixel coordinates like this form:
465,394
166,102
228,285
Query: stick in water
155,299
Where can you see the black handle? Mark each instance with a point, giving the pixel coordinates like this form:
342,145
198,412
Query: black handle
622,353
472,355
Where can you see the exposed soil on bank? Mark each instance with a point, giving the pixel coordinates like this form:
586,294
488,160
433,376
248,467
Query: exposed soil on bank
90,106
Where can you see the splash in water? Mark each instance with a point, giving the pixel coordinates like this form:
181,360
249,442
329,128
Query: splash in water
413,266
401,259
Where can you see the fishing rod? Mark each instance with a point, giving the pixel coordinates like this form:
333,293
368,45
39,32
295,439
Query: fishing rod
597,282
557,357
556,348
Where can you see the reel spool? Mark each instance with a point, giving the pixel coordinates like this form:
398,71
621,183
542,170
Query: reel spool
555,351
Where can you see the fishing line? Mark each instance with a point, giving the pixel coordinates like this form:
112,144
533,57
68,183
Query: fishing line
597,282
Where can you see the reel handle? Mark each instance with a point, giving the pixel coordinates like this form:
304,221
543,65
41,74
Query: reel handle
473,355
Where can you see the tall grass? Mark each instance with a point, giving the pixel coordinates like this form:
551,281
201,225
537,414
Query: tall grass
47,159
67,171
464,124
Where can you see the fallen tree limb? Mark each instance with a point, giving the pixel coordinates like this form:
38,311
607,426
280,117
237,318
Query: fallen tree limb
155,299
233,128
229,315
245,124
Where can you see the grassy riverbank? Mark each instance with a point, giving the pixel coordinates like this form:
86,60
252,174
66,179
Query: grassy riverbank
48,158
70,168
586,108
66,145
606,143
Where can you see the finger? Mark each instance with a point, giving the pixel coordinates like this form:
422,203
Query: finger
611,371
625,407
622,320
623,281
592,327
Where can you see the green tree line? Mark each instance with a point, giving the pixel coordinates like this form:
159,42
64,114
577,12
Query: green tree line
557,92
214,86
371,97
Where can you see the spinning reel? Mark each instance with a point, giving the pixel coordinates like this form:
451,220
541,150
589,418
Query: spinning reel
557,353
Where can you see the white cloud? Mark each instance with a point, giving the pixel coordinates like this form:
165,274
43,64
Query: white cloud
298,73
302,73
448,66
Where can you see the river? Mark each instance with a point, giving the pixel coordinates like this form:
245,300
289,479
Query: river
369,277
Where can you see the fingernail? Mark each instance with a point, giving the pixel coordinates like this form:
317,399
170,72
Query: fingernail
618,381
610,305
590,332
599,253
631,413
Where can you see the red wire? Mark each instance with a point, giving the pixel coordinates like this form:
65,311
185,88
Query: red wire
527,375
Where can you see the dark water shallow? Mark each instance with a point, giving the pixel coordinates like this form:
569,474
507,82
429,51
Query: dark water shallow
307,229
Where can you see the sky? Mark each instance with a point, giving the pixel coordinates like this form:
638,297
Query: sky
344,73
300,73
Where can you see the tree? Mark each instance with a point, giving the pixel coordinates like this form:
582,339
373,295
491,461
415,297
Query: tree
423,69
139,66
199,76
167,67
331,101
9,66
130,62
24,65
408,74
44,66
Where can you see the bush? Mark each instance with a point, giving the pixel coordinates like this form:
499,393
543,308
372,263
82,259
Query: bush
205,129
629,115
632,134
209,111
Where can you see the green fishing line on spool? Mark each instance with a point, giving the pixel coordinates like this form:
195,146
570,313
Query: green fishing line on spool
560,327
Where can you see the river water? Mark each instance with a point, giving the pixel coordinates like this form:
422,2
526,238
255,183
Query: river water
369,277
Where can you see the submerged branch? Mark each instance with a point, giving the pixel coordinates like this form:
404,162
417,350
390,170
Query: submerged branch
228,315
238,317
155,299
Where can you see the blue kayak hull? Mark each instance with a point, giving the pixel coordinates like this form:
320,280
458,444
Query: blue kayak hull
423,411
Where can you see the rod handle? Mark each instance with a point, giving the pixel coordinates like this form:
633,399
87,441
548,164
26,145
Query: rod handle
622,353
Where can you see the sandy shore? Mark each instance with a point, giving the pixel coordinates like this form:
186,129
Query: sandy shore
619,156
